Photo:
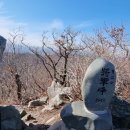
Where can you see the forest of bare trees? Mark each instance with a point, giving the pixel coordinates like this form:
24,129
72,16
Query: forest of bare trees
63,57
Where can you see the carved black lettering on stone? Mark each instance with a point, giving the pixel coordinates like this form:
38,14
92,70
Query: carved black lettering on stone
104,80
99,82
102,90
112,78
105,72
100,100
107,77
113,71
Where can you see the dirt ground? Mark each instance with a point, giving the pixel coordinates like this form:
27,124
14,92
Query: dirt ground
46,117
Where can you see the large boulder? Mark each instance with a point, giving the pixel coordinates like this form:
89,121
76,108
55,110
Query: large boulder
56,88
38,102
76,116
58,100
10,118
58,126
57,95
120,113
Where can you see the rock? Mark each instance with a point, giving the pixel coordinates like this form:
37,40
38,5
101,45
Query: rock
120,113
59,99
56,89
21,110
56,101
2,46
23,113
38,102
28,128
37,127
47,108
28,117
24,126
120,107
44,99
75,116
10,118
98,85
58,126
53,119
35,121
57,95
121,129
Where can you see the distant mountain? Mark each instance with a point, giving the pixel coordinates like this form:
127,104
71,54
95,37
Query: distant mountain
20,48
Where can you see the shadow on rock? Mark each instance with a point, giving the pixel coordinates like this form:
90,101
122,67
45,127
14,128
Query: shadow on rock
37,127
120,113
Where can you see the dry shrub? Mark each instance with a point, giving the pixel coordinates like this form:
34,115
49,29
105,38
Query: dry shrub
110,43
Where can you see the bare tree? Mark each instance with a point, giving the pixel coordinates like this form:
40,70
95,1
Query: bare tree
58,53
112,44
13,68
64,57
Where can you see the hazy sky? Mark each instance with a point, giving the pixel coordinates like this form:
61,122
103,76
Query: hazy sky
35,16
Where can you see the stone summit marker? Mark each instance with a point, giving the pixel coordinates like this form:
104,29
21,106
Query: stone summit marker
98,85
93,112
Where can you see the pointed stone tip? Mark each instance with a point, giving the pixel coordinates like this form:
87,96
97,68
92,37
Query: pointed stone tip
102,60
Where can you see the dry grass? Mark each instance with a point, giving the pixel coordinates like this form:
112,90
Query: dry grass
111,44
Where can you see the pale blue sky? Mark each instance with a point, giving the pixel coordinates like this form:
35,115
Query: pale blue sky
34,16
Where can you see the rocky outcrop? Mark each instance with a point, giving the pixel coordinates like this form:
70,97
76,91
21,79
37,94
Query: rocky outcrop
37,127
57,95
56,89
16,118
120,113
58,126
55,102
10,118
28,117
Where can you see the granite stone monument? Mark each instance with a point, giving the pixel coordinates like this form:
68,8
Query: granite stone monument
93,113
98,85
